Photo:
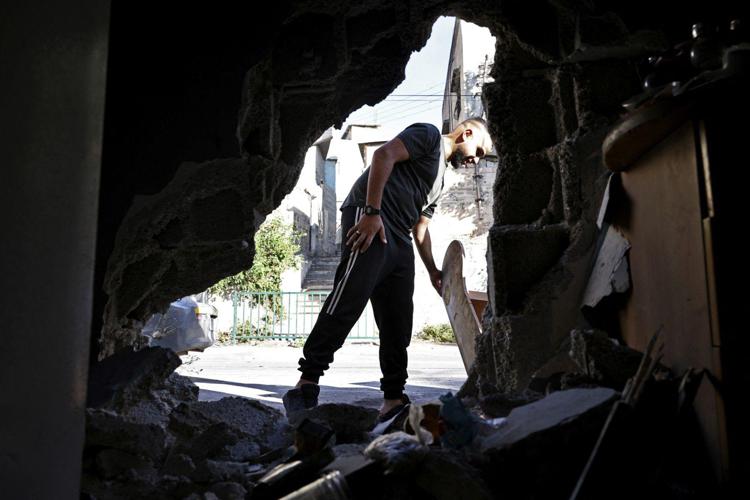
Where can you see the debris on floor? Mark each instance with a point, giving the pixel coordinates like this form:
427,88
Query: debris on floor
588,358
148,436
350,423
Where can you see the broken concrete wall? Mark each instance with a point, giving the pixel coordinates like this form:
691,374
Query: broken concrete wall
560,76
210,113
147,435
552,101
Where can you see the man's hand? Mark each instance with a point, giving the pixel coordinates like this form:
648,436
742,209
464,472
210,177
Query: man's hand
436,278
424,247
360,236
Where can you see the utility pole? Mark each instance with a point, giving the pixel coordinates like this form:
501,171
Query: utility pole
311,197
479,199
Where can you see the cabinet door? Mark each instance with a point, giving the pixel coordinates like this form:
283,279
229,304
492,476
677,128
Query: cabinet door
662,217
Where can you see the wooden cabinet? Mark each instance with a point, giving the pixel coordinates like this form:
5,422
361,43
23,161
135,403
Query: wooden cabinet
680,201
662,210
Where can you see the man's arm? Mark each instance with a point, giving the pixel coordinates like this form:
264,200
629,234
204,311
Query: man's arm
424,247
360,236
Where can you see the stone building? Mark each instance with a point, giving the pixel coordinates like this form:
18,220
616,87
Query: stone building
330,167
465,210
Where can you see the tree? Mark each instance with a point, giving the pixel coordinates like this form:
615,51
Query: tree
276,250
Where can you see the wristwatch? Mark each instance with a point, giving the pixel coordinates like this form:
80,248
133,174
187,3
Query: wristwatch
370,210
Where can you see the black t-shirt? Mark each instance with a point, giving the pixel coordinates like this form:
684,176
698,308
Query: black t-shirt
414,186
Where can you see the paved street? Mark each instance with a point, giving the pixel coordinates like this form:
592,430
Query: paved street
266,370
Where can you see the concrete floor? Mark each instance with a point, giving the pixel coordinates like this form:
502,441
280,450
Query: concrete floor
266,370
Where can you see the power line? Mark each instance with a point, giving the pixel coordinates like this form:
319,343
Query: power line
411,100
407,111
403,108
385,101
400,111
451,94
405,115
400,108
427,98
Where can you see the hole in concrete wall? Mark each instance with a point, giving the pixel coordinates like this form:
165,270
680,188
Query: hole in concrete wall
439,79
251,186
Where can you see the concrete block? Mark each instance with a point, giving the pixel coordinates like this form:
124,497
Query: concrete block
108,429
527,118
520,256
541,449
350,423
217,428
602,86
523,190
127,377
549,415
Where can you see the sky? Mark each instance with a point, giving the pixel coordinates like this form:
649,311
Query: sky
425,76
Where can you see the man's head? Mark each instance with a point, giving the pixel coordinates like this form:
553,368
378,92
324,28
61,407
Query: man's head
470,142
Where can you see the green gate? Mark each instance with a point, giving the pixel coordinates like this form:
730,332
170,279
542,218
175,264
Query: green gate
286,316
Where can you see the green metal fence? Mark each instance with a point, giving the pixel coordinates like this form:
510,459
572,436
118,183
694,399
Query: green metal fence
286,316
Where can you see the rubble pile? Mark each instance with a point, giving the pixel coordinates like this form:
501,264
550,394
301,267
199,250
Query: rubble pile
587,358
148,436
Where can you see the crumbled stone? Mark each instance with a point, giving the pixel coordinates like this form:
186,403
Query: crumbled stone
228,490
178,464
542,447
245,416
140,385
108,429
208,495
126,378
243,450
213,442
398,451
210,471
548,377
602,358
445,476
349,449
500,405
177,486
178,389
350,423
549,414
111,463
231,428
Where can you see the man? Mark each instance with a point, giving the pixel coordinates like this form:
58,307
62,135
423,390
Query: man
394,197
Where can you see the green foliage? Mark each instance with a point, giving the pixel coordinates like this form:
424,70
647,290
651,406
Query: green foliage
298,342
259,328
224,338
442,333
276,248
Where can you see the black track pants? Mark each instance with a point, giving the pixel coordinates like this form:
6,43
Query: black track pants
383,274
